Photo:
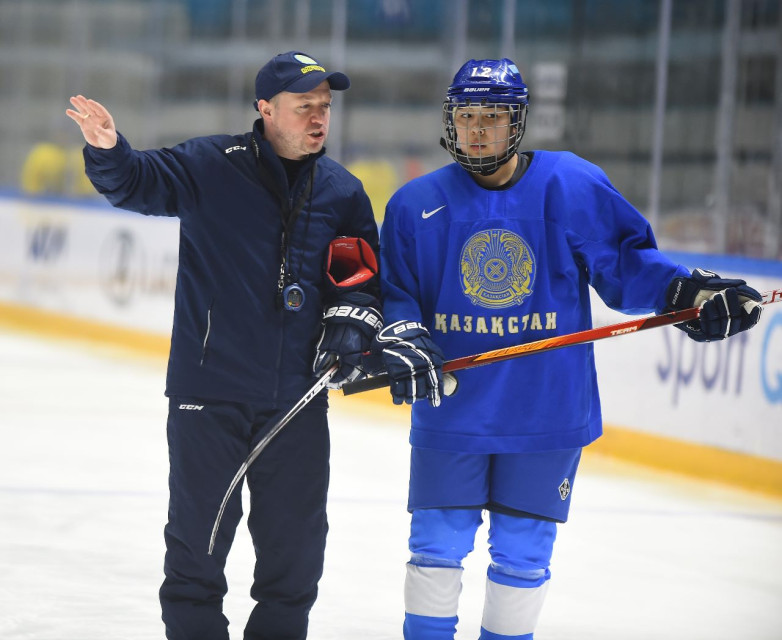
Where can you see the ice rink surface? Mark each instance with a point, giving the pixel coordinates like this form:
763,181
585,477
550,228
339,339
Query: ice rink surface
83,499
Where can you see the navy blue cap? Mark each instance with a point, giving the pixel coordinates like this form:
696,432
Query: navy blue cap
295,72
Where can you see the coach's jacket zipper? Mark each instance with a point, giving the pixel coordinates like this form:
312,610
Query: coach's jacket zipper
206,335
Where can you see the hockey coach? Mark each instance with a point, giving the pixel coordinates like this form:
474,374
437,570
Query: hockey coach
259,213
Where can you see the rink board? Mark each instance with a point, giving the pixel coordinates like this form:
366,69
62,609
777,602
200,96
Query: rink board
93,273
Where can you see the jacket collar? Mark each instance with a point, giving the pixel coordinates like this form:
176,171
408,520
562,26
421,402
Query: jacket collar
269,159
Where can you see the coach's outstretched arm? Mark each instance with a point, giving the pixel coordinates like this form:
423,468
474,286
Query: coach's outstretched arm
95,122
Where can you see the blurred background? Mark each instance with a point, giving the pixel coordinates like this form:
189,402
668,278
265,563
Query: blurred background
680,101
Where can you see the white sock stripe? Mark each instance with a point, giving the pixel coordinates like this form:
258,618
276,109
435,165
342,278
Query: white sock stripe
512,611
432,591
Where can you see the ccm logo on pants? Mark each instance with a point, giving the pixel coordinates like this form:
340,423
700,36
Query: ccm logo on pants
191,407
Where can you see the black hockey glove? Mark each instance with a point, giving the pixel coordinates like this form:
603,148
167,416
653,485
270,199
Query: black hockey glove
727,306
349,325
414,363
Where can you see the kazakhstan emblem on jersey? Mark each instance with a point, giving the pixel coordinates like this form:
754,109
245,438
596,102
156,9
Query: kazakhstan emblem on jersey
497,269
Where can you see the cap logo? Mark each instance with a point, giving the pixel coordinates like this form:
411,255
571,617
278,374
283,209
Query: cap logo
305,59
312,67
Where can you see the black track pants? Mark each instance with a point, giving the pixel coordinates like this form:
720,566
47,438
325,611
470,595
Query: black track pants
287,520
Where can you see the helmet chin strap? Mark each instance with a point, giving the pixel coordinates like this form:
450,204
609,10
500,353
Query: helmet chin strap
474,167
494,165
485,166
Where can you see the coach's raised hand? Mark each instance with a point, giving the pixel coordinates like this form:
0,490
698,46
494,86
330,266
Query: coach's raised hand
95,122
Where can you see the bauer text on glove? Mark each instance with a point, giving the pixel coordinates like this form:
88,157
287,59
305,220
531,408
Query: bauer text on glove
349,325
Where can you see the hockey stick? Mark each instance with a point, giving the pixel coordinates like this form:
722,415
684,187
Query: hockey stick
315,390
555,342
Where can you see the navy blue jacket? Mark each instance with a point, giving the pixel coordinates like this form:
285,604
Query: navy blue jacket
230,340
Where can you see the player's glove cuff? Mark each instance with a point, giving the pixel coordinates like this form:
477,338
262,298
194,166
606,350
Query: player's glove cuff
413,361
728,306
349,325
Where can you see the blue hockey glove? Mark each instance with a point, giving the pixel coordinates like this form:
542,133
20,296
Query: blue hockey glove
349,325
414,363
727,306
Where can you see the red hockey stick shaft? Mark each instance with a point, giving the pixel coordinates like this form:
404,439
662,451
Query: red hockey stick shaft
555,342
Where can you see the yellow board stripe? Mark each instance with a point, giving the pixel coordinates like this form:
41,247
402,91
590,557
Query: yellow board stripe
668,454
58,325
745,471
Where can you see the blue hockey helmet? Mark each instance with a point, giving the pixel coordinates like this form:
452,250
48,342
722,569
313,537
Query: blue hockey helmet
487,84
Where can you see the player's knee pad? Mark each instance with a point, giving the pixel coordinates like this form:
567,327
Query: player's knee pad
521,550
442,537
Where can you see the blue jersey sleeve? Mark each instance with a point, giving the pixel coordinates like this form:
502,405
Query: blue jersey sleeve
616,245
399,284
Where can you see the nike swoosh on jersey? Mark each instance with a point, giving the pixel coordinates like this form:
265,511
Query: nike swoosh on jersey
428,214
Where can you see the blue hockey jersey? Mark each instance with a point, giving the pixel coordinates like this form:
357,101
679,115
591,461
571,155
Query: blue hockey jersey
485,269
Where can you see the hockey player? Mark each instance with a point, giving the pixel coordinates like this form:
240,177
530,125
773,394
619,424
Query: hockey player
258,213
495,249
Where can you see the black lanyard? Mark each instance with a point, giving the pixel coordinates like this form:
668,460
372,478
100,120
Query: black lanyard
289,214
289,217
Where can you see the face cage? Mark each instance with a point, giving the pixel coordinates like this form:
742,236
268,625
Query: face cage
485,165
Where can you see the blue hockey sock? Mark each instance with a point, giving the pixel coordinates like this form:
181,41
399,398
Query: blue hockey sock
429,627
488,635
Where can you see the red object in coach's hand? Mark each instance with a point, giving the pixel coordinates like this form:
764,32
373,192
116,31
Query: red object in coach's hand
350,264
